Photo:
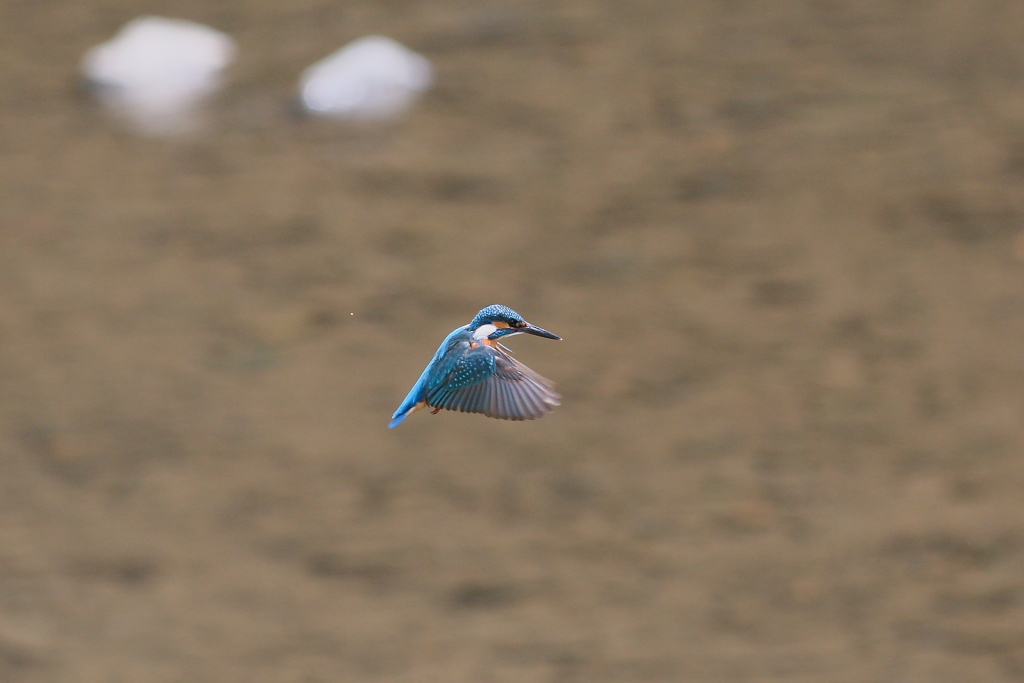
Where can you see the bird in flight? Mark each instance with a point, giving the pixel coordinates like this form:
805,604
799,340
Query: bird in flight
473,372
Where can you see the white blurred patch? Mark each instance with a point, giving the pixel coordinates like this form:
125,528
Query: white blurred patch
370,79
157,72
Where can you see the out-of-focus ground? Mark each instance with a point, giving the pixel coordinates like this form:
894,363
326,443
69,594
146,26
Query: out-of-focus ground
783,242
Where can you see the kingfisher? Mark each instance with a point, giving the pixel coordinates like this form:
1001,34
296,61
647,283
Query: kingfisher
473,372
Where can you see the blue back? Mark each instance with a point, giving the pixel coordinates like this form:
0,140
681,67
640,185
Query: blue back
438,368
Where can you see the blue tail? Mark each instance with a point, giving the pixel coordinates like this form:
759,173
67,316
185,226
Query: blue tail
408,405
418,395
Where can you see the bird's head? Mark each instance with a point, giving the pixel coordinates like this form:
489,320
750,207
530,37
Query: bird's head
495,322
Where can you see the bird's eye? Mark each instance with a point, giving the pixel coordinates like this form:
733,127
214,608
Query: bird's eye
519,323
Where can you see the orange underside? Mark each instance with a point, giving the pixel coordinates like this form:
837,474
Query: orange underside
423,404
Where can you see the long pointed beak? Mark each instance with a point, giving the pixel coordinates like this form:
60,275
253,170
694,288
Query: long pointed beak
540,332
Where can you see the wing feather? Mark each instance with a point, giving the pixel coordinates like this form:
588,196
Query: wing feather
479,400
494,402
508,410
532,401
462,399
489,381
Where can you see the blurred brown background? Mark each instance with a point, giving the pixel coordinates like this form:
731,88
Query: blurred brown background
783,242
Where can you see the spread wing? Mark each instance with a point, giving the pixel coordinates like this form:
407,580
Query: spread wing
488,381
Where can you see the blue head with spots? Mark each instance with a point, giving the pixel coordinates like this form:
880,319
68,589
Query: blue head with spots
496,313
499,321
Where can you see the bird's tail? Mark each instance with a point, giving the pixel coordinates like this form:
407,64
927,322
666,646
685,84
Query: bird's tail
409,406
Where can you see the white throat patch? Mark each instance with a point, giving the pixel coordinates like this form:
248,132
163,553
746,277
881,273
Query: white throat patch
484,331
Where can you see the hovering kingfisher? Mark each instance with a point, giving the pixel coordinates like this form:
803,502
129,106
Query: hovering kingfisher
473,372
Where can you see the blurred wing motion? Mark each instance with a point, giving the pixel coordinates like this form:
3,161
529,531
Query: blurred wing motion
486,380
